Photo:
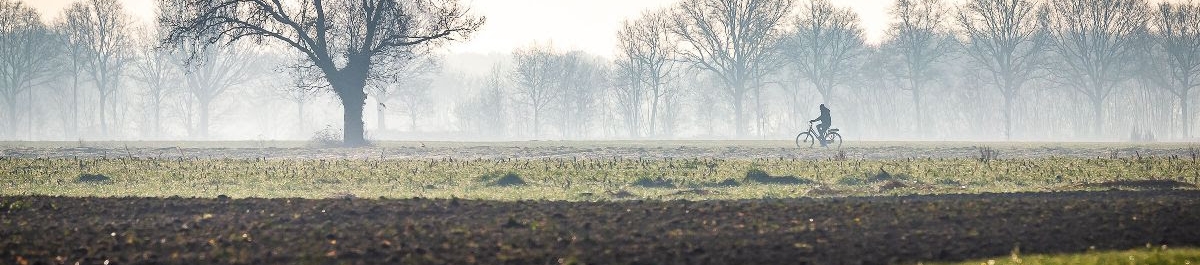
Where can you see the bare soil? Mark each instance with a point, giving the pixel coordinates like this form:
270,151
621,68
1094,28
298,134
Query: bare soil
348,230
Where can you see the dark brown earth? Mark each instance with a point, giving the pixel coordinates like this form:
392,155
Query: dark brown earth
876,230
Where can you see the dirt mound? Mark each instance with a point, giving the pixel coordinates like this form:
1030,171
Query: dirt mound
502,179
658,182
757,175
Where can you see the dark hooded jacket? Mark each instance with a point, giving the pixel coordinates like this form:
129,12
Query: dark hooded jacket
824,118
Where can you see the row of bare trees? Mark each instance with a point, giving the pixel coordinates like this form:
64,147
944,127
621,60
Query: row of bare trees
940,69
95,65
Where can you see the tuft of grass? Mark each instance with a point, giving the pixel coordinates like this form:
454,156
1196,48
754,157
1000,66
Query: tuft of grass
92,178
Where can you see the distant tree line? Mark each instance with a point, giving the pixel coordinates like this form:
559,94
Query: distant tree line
984,69
749,69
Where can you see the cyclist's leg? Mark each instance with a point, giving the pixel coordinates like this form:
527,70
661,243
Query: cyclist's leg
821,131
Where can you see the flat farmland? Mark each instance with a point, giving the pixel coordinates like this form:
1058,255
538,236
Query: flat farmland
661,202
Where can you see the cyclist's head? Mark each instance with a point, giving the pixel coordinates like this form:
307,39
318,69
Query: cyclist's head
823,106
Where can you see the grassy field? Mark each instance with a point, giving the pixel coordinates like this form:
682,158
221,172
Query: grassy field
539,170
1143,256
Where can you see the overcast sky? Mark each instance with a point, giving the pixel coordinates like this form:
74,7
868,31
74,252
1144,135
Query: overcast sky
588,25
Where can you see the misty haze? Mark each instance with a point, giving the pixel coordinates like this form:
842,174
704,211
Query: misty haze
599,131
931,70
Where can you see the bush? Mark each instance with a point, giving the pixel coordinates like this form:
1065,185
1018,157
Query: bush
326,138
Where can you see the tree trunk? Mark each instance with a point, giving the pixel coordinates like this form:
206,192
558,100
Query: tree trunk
103,122
12,117
157,118
73,128
300,117
656,87
412,116
739,120
759,120
916,97
1185,115
381,119
203,130
1008,106
349,83
536,122
1098,117
352,112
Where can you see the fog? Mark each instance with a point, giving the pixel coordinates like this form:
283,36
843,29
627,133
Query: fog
977,70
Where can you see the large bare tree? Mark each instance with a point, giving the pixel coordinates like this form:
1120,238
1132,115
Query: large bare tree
101,28
343,38
1095,40
1006,38
26,55
647,52
824,45
919,37
733,39
1175,54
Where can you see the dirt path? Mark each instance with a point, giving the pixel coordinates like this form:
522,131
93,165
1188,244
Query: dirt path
875,230
649,150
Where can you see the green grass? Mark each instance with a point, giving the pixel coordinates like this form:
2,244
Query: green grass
582,179
1145,256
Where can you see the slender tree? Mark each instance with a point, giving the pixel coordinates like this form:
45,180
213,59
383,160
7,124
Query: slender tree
1006,38
213,71
26,55
406,82
647,51
919,37
159,74
629,92
70,28
534,79
824,45
1095,40
733,39
343,38
102,30
581,78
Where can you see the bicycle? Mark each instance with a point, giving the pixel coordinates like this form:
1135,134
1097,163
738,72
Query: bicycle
831,137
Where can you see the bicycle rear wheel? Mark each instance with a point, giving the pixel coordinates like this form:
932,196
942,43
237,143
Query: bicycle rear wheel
834,139
805,137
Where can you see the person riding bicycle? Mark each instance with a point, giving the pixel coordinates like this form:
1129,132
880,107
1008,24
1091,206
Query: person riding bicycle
825,122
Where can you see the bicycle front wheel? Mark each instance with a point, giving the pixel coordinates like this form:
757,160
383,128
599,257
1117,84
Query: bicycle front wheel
805,137
834,139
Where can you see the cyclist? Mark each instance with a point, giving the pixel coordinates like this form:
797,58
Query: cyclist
825,122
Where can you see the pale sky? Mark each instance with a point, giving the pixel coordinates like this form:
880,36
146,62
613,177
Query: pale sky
588,25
